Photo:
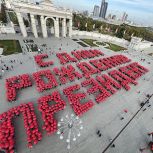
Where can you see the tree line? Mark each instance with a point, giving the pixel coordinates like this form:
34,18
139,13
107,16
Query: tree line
83,23
125,31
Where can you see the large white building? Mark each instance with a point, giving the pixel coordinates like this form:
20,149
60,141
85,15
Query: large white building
42,11
138,44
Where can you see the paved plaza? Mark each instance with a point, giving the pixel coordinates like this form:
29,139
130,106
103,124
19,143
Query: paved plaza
127,131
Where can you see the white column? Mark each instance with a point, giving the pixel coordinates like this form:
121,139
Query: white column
21,24
70,27
56,24
64,27
34,28
43,26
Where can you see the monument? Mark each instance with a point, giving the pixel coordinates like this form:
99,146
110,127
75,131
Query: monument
43,11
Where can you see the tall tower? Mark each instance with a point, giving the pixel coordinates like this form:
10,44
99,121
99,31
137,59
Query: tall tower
103,9
124,17
96,11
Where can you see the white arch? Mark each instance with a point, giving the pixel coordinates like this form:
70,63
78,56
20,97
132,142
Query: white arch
56,25
46,18
50,18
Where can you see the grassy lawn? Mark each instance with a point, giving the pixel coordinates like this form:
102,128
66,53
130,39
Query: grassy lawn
89,42
115,48
10,47
101,43
75,39
82,44
111,46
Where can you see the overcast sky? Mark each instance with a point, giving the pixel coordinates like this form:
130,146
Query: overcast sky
140,11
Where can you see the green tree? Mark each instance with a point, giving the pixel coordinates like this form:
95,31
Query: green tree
3,16
13,17
142,32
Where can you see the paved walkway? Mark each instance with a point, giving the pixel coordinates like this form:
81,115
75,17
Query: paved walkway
105,116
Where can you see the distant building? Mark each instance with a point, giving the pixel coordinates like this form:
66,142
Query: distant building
103,9
109,16
85,13
139,44
96,11
114,17
124,17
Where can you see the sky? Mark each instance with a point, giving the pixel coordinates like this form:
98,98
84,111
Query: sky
139,11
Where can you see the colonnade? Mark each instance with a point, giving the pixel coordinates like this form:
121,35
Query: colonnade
65,25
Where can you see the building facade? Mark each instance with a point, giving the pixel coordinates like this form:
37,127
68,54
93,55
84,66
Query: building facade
96,11
124,17
42,11
113,17
103,9
139,44
85,13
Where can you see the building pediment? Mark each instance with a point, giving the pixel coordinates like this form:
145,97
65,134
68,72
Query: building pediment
47,4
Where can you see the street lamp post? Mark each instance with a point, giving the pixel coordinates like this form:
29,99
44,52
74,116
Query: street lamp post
69,128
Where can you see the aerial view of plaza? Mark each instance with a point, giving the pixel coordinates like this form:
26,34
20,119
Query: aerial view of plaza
76,76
